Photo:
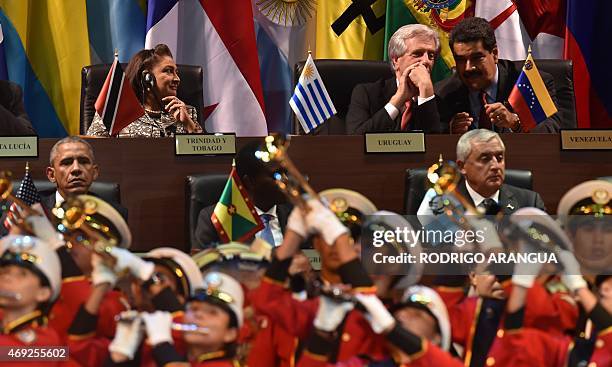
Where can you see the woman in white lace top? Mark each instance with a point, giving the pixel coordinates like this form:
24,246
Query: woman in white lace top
154,77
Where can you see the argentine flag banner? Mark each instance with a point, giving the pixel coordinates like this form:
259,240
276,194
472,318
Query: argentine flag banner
310,100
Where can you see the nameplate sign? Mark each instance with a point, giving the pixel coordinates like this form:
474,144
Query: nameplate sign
314,258
586,139
18,146
204,144
395,142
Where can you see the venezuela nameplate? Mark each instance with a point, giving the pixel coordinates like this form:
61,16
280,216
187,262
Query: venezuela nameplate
204,144
412,142
587,139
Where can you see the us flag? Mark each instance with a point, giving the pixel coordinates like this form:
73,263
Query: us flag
27,192
117,103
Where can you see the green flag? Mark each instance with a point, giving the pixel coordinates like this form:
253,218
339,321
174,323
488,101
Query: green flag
440,15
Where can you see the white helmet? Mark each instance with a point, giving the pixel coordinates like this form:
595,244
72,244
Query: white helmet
187,271
425,296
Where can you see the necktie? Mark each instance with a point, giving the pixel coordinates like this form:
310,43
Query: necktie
483,121
407,114
490,206
266,233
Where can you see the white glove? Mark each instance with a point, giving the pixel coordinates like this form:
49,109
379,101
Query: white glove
526,273
101,273
323,221
128,335
331,313
43,229
296,222
378,316
158,326
487,229
126,260
572,277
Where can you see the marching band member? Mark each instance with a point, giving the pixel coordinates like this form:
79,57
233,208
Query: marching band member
30,281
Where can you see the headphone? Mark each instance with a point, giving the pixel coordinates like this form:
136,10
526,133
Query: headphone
147,80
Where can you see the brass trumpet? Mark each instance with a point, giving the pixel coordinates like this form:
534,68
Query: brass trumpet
287,177
192,328
74,215
6,188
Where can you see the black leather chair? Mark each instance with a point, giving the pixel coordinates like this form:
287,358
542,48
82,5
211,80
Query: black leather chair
93,76
340,77
563,74
108,191
200,191
415,187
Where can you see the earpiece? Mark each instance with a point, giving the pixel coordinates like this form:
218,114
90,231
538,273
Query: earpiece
148,80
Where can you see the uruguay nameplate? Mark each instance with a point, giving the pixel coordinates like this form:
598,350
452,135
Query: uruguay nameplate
204,144
395,142
18,146
586,139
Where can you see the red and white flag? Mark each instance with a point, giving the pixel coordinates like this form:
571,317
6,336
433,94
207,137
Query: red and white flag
117,103
520,23
219,36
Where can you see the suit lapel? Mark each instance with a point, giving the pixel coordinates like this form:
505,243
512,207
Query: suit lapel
505,82
507,201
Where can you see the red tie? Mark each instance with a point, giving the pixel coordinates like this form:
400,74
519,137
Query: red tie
483,121
407,114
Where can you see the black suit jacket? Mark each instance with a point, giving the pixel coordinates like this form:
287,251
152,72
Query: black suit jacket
453,96
13,118
206,235
511,198
367,113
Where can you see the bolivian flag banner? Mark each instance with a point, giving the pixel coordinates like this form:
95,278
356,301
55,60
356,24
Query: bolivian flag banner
234,216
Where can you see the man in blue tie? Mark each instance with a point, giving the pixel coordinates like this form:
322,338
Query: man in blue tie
270,202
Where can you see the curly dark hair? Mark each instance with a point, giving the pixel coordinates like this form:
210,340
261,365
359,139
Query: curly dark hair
144,60
473,29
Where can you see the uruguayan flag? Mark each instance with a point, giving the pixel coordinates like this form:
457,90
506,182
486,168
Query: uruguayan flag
310,100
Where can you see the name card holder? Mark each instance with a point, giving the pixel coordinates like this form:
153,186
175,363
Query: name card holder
400,142
19,146
204,144
586,139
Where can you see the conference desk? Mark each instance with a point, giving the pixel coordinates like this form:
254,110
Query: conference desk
152,177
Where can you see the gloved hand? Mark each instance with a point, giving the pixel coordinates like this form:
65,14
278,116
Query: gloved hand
43,229
378,316
487,229
128,335
296,222
126,260
525,273
331,313
101,273
323,221
158,326
572,277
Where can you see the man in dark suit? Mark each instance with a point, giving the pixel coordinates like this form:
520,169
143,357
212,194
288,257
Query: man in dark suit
269,201
405,102
72,168
13,117
476,95
481,159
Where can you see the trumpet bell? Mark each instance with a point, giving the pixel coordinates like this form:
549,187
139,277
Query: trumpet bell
6,184
443,177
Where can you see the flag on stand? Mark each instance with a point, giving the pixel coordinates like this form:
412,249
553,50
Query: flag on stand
310,100
530,98
235,217
27,193
117,103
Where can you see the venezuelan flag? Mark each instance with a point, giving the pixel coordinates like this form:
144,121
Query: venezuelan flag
530,98
234,216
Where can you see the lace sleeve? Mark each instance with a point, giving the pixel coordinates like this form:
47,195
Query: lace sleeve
97,127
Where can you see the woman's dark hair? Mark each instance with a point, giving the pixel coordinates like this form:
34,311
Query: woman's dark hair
144,60
473,29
